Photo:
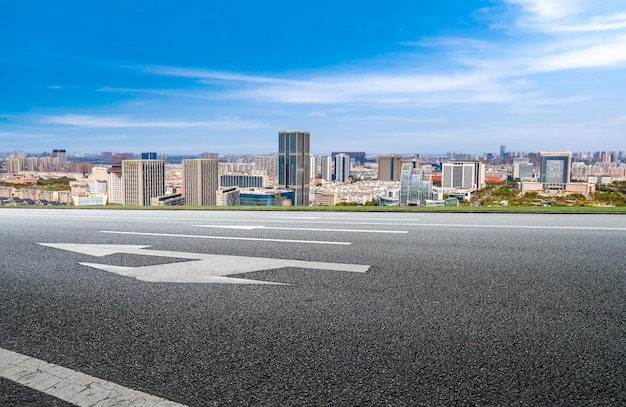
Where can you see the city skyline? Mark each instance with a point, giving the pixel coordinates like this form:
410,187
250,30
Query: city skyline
464,76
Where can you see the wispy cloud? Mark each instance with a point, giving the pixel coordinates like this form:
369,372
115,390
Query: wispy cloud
608,54
571,15
448,42
394,119
89,121
206,75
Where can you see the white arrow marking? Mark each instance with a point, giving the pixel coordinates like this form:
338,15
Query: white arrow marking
207,268
307,229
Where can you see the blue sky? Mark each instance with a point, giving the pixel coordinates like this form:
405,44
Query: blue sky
384,77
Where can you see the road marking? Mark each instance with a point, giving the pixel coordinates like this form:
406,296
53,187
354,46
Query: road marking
258,239
206,268
71,386
307,229
519,226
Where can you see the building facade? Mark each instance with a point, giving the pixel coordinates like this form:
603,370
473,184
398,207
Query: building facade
327,168
294,163
142,180
463,175
200,182
267,163
342,167
243,181
389,167
415,186
115,185
556,167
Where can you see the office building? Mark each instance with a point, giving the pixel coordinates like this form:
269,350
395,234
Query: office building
556,167
142,180
243,181
200,182
342,167
227,196
522,169
463,175
327,168
389,167
415,185
267,197
294,164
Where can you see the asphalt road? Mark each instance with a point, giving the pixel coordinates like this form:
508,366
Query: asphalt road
455,309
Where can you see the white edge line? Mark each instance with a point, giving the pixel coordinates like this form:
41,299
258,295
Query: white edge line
520,226
70,385
258,239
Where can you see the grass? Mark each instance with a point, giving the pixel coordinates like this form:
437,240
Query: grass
428,209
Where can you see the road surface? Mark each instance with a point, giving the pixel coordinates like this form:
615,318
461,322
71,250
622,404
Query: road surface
203,308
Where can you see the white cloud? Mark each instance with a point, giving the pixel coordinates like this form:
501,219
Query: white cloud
89,121
571,15
603,55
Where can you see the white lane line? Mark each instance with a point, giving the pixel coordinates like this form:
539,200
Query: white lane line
71,386
315,222
257,239
519,226
307,229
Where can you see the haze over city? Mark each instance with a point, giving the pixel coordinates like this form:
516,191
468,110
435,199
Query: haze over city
402,77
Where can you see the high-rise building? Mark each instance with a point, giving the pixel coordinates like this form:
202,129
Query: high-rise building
357,156
142,180
415,185
342,167
502,151
463,175
522,169
294,164
313,166
59,157
327,168
556,167
115,185
200,182
267,163
389,167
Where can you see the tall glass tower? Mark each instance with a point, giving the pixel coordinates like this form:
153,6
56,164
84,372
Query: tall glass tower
294,164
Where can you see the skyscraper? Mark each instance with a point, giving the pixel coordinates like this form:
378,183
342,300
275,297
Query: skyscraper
327,168
294,164
342,167
556,167
200,182
142,180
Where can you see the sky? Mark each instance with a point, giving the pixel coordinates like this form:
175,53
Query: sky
402,76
